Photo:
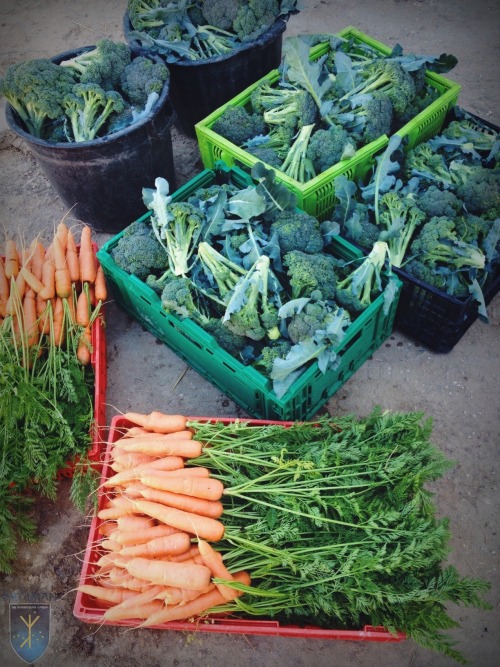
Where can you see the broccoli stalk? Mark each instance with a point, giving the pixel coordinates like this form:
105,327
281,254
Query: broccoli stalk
296,164
88,107
399,221
217,267
249,311
355,291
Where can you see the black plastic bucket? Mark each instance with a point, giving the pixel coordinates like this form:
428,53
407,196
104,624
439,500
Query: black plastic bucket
199,87
102,180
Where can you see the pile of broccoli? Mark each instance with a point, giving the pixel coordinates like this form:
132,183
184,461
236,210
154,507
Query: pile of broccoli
253,271
95,93
201,29
319,113
437,207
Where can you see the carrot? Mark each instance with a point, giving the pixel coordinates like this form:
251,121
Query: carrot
62,275
62,235
112,595
107,527
58,333
212,559
168,463
134,522
43,314
138,612
133,431
206,488
30,319
17,290
166,573
4,289
197,607
82,310
11,259
31,280
131,459
48,279
129,537
72,260
114,512
84,350
135,600
101,292
88,265
171,545
37,258
208,508
162,446
158,422
179,596
205,527
110,545
150,435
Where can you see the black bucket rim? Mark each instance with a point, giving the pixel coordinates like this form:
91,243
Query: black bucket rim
11,114
274,30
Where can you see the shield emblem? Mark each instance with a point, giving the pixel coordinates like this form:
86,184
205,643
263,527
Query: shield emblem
29,630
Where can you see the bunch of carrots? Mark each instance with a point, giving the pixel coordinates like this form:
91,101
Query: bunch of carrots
52,294
157,523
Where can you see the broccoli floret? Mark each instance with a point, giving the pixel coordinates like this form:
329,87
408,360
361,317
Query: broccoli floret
180,296
296,109
472,228
254,17
426,274
359,228
138,252
478,187
266,154
421,101
438,244
429,166
376,115
142,77
220,270
280,140
390,78
220,13
88,107
399,219
329,146
102,65
227,339
356,291
251,311
144,14
436,202
275,350
311,272
297,230
237,125
178,229
296,164
35,89
467,132
305,323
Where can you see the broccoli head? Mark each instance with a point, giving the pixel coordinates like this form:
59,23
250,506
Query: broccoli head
376,114
237,125
227,339
180,296
142,77
89,107
138,252
102,65
265,154
297,230
388,77
275,350
428,165
310,272
144,14
329,146
297,164
399,219
437,202
296,109
478,187
36,89
304,324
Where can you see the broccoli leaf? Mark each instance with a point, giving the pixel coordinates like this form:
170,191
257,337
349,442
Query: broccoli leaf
346,75
477,293
215,216
345,191
292,307
304,73
246,204
276,195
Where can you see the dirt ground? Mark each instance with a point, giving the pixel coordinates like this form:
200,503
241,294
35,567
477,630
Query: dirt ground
459,390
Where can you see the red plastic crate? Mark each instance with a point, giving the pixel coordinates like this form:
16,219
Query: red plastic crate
86,609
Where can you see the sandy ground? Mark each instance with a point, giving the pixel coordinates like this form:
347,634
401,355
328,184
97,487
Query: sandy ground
459,390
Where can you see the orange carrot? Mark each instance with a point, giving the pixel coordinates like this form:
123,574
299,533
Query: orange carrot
174,596
213,561
11,259
62,275
31,280
62,235
171,545
88,264
134,600
205,527
162,446
158,422
208,508
101,292
30,319
166,573
72,260
4,289
197,607
150,435
128,537
58,333
84,350
141,611
111,595
192,556
134,522
206,488
168,463
37,258
48,279
43,314
110,545
82,310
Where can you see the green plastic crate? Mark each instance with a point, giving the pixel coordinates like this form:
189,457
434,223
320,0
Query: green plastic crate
317,196
245,385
